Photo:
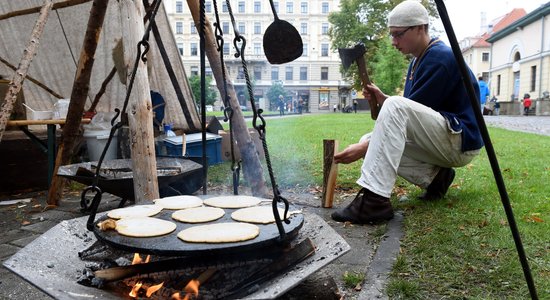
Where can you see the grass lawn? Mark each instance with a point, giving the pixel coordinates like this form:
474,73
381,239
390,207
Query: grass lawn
458,248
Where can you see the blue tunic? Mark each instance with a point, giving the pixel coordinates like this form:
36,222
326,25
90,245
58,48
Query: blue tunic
436,82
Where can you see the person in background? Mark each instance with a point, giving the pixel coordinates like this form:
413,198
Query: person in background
420,136
355,105
526,104
483,92
281,105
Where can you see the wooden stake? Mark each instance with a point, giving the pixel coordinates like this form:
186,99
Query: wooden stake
140,109
19,75
330,172
33,10
81,86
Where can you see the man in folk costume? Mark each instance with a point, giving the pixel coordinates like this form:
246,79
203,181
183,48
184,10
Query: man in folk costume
420,136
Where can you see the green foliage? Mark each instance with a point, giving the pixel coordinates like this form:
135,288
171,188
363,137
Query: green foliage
352,279
364,21
274,92
195,83
389,68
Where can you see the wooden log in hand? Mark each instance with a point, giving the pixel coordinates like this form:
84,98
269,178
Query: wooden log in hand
330,172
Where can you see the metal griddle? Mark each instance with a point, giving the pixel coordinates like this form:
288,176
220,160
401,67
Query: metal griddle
171,245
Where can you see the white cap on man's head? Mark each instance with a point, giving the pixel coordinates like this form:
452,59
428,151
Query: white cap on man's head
408,13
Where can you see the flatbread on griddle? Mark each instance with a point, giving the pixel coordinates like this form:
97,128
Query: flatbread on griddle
178,202
198,214
236,201
220,233
257,214
144,227
134,211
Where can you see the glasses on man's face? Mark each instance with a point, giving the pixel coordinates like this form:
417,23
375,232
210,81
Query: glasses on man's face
398,35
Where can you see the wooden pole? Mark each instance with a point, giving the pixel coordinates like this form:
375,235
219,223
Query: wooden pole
140,111
33,80
330,172
102,90
81,86
252,168
19,75
33,10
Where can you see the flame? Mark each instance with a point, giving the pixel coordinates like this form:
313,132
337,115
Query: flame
135,289
153,289
137,259
192,288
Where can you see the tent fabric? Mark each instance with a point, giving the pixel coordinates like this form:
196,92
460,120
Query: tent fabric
55,62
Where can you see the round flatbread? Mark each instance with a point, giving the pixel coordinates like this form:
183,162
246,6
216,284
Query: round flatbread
178,202
144,227
220,233
198,214
134,211
256,214
237,201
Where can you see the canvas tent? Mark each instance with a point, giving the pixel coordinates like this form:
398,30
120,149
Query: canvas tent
55,62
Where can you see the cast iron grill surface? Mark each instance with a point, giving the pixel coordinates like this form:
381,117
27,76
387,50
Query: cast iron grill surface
171,245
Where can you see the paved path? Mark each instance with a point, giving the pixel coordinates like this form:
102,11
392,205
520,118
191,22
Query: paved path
532,124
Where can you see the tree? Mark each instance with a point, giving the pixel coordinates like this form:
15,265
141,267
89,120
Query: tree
363,21
274,92
389,68
195,83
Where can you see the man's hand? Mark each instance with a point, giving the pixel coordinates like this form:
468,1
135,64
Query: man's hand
352,153
378,94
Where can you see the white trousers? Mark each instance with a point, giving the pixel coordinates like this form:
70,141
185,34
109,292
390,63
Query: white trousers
410,140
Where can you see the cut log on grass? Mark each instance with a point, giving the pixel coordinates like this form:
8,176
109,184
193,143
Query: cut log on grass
330,172
21,72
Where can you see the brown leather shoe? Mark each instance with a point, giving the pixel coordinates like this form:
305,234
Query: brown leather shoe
367,207
439,186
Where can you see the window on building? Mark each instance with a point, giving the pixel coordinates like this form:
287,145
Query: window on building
258,73
240,73
303,28
324,28
257,48
241,7
224,7
274,73
323,100
257,7
324,7
324,73
179,27
242,28
208,71
289,7
498,84
533,78
225,27
324,49
288,73
194,71
257,28
193,28
180,47
485,56
303,7
303,73
225,49
276,4
208,6
179,7
304,52
194,49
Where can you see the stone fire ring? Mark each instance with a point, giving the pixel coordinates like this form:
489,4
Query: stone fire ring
51,261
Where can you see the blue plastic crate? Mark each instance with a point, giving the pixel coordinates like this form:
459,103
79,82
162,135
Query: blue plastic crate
174,146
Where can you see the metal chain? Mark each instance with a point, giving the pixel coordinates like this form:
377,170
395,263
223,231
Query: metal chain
115,126
228,110
277,198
